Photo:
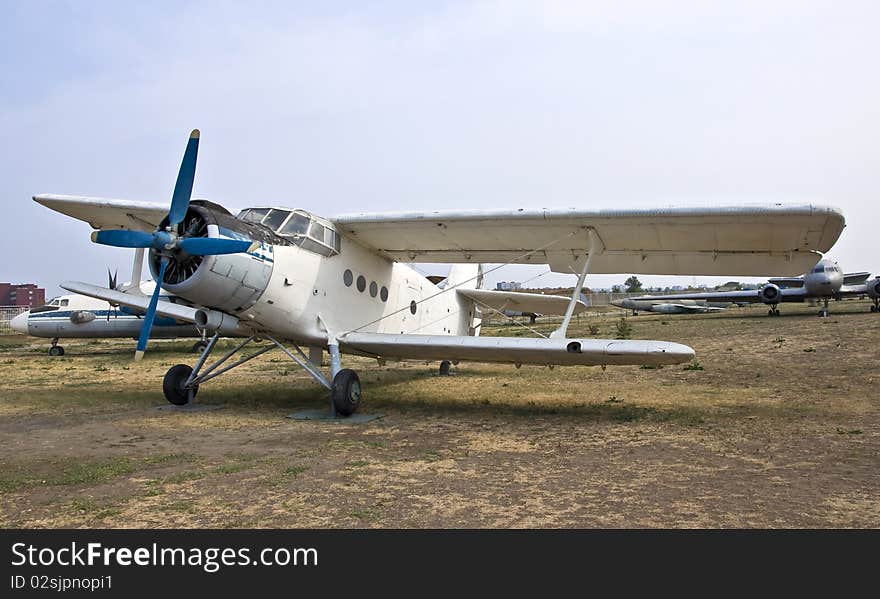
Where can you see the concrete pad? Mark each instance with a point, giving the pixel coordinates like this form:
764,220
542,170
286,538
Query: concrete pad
192,407
324,415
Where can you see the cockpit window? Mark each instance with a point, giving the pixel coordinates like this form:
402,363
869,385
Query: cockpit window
275,217
819,269
298,224
301,228
64,302
254,215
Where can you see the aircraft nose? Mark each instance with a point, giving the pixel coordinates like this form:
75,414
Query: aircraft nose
19,324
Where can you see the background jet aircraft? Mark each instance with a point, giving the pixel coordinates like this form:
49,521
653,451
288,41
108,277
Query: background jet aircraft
77,316
343,285
825,281
661,305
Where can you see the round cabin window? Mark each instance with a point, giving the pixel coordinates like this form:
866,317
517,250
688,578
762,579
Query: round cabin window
347,278
374,289
383,294
412,306
362,283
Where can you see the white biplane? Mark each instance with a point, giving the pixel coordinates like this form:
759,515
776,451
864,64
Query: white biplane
309,284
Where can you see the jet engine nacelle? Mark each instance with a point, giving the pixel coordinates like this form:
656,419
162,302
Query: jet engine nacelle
226,282
665,309
770,294
873,288
82,317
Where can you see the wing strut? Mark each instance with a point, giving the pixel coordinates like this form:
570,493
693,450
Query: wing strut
576,294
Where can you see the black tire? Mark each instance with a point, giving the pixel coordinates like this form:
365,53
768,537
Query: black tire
172,385
346,392
56,350
445,367
199,346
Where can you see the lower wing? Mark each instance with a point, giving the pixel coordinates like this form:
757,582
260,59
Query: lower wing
516,350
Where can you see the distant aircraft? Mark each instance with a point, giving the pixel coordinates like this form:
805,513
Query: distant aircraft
661,305
76,316
343,285
825,281
80,316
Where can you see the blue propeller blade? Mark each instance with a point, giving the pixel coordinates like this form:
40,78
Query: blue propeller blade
211,246
123,238
150,316
184,185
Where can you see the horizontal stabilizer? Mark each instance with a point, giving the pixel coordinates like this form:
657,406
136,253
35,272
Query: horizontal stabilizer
534,303
516,350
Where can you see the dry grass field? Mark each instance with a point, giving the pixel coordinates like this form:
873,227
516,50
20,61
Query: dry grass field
777,425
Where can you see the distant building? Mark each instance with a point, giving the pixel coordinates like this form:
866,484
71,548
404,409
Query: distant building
26,294
508,286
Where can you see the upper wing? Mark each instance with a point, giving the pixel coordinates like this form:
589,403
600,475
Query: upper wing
855,278
516,350
104,213
521,302
747,241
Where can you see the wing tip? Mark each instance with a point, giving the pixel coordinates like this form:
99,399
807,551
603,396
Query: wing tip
195,134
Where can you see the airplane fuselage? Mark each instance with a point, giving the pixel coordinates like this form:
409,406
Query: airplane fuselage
307,282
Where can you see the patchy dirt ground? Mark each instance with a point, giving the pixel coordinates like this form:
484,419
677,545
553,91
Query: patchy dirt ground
777,425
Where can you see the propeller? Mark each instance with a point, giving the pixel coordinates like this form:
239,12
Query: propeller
169,242
111,284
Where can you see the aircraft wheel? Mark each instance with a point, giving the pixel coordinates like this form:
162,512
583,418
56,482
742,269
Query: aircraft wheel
172,385
823,313
445,366
346,392
873,308
56,350
199,346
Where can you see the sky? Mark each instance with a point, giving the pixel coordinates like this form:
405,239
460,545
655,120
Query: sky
340,107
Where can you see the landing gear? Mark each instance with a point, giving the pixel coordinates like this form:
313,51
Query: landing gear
56,350
773,311
199,346
174,385
873,308
346,392
823,312
445,367
181,382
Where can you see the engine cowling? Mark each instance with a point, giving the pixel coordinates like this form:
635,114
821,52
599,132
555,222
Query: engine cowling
82,317
770,294
227,282
873,287
665,308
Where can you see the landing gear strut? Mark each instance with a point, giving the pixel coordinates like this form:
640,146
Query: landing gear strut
876,306
823,312
773,311
181,382
56,350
